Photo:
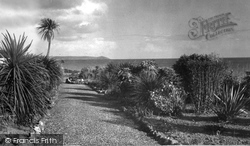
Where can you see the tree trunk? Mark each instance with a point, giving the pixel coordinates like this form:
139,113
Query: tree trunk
49,43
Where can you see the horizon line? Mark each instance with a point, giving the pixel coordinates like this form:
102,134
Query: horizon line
138,58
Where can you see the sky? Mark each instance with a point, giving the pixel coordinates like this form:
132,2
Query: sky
127,29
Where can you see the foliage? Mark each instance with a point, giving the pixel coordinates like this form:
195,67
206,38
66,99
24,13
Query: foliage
201,77
115,77
149,66
141,111
54,71
169,100
169,75
46,29
143,85
22,80
112,68
96,72
109,82
85,73
125,75
230,79
246,82
230,102
5,108
183,71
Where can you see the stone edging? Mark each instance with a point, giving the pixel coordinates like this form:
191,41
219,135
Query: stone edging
160,137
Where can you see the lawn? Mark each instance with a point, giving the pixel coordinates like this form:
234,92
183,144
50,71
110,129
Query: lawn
193,129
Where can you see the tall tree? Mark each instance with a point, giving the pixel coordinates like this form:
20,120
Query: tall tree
46,29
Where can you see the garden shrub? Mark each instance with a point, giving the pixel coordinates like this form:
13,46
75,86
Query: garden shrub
169,75
96,72
169,100
183,71
229,102
230,79
23,81
142,86
246,83
54,71
134,86
27,81
85,73
112,68
149,66
116,80
201,77
107,80
125,77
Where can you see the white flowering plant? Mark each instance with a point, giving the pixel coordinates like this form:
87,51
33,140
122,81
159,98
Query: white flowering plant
169,99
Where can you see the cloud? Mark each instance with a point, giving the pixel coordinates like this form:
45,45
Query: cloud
18,17
85,10
152,48
87,47
58,4
89,7
78,20
19,5
70,38
86,27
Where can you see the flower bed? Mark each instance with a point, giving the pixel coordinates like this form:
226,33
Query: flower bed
194,129
147,127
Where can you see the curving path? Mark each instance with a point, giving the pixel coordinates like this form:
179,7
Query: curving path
86,119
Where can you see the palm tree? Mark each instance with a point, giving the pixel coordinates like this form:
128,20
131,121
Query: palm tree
46,29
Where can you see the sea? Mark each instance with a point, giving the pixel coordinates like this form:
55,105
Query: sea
238,65
80,63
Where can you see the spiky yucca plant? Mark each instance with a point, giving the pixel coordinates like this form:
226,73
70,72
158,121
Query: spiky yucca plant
109,80
22,78
230,102
143,85
54,71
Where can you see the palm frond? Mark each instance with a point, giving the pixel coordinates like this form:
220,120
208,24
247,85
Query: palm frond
46,28
143,85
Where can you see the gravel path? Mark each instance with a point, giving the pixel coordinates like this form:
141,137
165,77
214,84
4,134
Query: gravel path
86,119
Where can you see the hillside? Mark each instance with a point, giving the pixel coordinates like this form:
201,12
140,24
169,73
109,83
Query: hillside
80,58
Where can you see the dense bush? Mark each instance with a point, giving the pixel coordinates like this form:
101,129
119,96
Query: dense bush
149,66
169,100
143,85
54,71
169,75
135,86
108,76
26,82
201,77
125,78
230,79
116,79
85,73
